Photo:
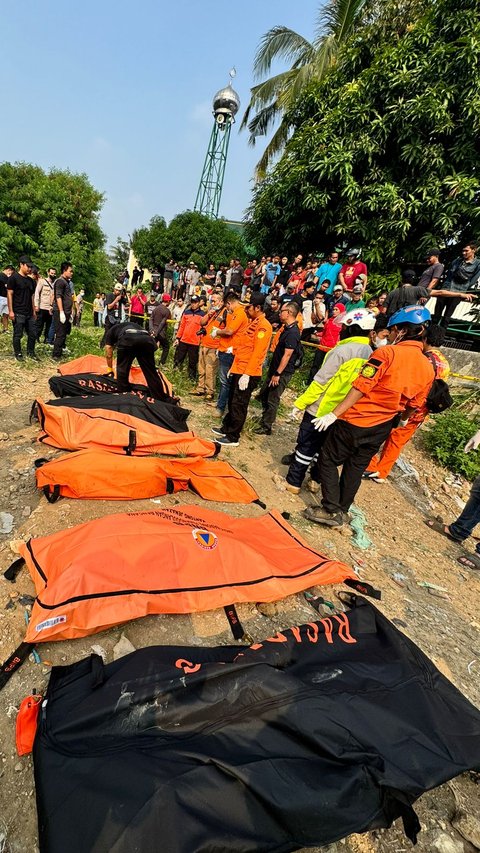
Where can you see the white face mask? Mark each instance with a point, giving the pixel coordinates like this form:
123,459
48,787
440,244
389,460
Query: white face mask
380,342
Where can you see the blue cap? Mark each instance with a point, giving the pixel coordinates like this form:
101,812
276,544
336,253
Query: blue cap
412,314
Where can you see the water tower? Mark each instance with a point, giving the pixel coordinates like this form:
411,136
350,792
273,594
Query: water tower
226,104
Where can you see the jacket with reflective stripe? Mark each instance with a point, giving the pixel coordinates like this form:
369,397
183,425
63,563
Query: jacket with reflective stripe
334,379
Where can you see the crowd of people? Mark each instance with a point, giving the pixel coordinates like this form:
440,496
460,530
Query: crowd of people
377,372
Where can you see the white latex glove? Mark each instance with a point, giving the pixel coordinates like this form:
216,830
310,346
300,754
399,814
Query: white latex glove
243,382
294,414
324,421
63,318
214,332
403,423
473,443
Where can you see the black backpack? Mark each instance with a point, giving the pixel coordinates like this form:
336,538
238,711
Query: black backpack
439,397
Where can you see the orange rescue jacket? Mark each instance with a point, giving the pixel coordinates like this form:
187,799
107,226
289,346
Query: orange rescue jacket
252,347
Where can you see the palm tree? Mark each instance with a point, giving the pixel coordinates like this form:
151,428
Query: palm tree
273,98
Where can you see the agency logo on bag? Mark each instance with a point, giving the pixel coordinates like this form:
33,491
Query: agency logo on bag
50,623
207,540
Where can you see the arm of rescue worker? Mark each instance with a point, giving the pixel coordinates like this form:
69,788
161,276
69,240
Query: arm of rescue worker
281,367
109,356
332,361
181,327
235,324
467,296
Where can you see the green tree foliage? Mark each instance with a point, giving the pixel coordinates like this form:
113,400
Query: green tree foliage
118,257
189,236
446,438
385,150
274,98
53,217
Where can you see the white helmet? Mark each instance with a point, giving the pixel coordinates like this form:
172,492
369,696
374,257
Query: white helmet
357,317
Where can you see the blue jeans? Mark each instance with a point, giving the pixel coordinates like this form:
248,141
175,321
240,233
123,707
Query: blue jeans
463,526
225,361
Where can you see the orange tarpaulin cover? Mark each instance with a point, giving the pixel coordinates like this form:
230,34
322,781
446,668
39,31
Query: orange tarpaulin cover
95,474
178,560
98,364
69,428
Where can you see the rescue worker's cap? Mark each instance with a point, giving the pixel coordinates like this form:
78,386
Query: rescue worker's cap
357,289
358,317
416,314
166,297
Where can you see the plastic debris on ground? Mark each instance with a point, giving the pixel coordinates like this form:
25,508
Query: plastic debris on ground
358,523
6,522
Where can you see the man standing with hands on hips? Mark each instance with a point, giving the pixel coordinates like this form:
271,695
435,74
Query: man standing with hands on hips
62,308
246,371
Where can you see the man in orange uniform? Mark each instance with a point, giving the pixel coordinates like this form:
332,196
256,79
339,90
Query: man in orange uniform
382,463
226,336
395,379
187,341
207,356
246,371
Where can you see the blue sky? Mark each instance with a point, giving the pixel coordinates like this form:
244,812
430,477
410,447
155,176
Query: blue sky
122,91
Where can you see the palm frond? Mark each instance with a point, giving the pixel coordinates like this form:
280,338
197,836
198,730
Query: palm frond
279,43
337,19
264,93
262,121
274,147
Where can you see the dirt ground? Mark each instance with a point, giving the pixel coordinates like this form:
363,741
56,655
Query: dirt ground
446,628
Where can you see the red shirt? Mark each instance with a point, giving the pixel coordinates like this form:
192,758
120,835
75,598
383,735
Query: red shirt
351,271
330,333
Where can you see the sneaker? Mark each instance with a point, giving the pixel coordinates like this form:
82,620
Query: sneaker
321,516
262,430
225,442
313,486
209,397
374,476
197,393
18,356
218,414
218,431
211,404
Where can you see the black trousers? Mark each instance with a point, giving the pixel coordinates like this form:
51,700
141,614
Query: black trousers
44,321
237,406
164,345
144,352
352,447
181,353
22,324
61,332
270,398
444,305
317,362
309,443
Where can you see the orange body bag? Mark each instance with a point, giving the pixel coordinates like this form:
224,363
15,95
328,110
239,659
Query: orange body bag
71,428
98,364
179,560
95,474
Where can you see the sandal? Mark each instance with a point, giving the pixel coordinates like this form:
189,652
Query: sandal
470,562
438,527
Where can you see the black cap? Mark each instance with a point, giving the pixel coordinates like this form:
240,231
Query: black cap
24,259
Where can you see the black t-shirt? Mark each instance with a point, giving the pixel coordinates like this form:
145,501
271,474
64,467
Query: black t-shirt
23,288
283,275
289,339
3,284
63,290
127,335
292,297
